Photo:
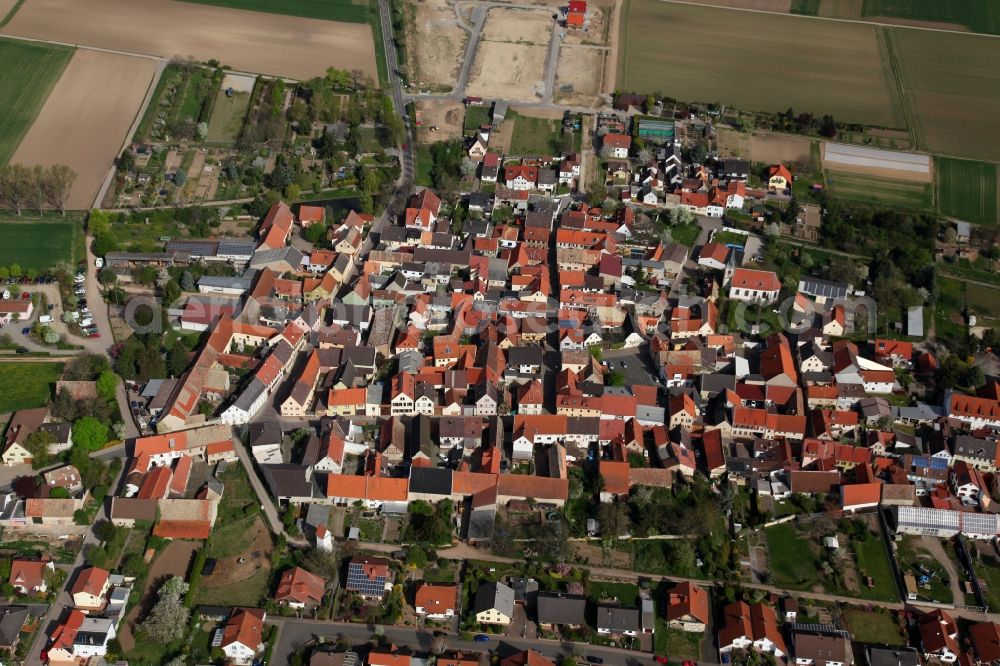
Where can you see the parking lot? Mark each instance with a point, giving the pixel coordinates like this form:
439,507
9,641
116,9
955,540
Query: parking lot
633,364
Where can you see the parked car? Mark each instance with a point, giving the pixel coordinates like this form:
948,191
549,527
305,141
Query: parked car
95,334
26,330
21,350
481,638
594,660
661,659
45,319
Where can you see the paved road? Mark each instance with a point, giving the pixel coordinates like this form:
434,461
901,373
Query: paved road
295,634
273,519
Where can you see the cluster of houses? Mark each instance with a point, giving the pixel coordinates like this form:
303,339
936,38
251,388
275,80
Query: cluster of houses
762,629
98,601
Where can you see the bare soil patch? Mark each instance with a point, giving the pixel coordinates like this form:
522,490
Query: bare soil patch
173,561
86,118
447,117
438,46
774,148
508,71
882,172
229,570
732,143
579,67
247,41
521,26
6,6
596,32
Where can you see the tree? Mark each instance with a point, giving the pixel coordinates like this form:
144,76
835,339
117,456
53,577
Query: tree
107,385
828,127
187,281
37,444
56,185
89,434
469,167
177,359
14,185
107,276
125,161
37,187
59,493
169,618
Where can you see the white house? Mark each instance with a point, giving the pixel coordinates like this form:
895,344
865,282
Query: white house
755,286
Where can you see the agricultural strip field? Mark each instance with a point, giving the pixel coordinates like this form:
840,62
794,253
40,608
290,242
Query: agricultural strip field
975,15
86,118
967,190
37,245
805,64
27,73
983,302
884,191
274,44
230,110
955,106
27,385
331,10
959,15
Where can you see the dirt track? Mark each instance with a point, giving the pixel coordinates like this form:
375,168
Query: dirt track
86,117
247,41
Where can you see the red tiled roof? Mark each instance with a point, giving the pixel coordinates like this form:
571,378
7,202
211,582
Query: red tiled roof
90,581
300,586
746,278
436,599
687,599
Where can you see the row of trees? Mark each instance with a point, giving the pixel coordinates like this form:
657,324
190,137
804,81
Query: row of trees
23,186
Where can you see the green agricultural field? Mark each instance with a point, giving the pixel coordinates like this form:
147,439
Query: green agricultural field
27,385
967,190
817,61
228,115
955,107
533,136
331,10
983,302
38,245
791,558
876,627
28,71
885,191
976,15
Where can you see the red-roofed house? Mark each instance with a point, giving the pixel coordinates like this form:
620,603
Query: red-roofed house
297,588
860,496
939,636
616,146
779,178
714,255
243,635
752,285
28,576
309,215
746,627
687,607
894,352
519,177
976,412
985,639
576,13
437,602
89,589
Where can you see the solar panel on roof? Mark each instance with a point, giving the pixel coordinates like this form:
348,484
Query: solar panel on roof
196,248
939,463
358,581
920,461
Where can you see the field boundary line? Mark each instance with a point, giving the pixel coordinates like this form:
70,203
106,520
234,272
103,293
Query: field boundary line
84,47
831,18
910,115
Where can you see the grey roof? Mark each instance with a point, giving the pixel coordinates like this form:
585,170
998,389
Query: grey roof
12,618
287,480
264,432
824,288
224,282
318,514
555,608
151,388
922,412
974,447
895,656
481,522
495,595
430,481
617,619
255,388
915,321
288,254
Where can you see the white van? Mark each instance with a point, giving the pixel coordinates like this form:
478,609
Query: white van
84,323
45,319
99,262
